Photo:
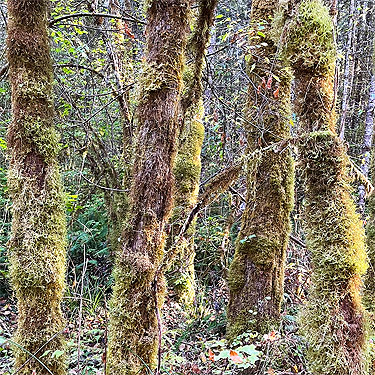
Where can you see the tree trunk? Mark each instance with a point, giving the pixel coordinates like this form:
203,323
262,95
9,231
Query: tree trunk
187,168
256,275
333,319
37,243
187,172
139,288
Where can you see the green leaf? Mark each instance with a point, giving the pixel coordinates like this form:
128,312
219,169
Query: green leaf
248,349
57,353
223,354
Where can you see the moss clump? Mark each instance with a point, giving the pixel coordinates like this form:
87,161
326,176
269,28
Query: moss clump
333,319
310,44
369,295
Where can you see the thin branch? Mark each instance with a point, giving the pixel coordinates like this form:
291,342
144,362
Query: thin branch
75,15
4,69
298,241
103,187
78,66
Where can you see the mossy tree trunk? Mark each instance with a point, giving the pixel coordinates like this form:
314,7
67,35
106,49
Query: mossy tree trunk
187,167
187,171
37,243
139,287
256,274
333,319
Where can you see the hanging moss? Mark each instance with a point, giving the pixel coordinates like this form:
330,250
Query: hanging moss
256,274
37,243
369,296
333,320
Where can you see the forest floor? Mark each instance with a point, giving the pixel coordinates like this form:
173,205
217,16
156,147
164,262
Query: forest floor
193,341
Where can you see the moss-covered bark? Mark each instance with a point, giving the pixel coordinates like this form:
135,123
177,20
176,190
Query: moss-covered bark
37,243
139,288
333,319
257,271
187,171
187,168
369,281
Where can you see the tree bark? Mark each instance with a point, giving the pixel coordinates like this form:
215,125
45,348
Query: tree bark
139,288
187,167
333,319
37,243
256,275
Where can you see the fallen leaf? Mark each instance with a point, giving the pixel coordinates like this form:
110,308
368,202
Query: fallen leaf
235,357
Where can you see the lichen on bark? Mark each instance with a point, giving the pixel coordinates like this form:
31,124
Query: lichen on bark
333,319
37,243
257,271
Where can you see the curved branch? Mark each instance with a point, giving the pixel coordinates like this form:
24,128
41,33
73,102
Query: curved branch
107,15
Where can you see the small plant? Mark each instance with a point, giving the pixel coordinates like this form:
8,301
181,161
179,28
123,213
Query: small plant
227,357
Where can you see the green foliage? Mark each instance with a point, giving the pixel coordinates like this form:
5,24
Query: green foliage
227,357
87,237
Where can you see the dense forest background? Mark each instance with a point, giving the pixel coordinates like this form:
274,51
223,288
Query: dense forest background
98,64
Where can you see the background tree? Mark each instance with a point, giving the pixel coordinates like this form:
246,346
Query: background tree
37,242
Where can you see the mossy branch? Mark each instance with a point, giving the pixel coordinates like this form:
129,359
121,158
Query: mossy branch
197,46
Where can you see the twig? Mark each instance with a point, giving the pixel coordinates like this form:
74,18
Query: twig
4,69
75,15
34,355
298,241
85,261
157,313
103,187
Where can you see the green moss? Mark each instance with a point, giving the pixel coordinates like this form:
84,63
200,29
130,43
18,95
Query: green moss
187,171
310,43
38,237
333,320
369,295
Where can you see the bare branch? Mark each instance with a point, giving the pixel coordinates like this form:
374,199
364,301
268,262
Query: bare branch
107,15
